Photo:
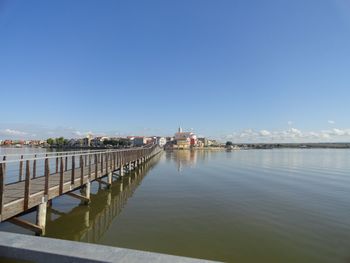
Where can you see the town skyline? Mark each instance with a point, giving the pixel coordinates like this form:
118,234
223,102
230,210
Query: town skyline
289,135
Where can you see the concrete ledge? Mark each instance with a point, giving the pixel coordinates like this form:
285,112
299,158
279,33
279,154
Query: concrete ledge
41,249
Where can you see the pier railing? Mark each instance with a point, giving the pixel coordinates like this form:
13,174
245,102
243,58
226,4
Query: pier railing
28,180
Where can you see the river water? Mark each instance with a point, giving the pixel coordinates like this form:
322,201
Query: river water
285,205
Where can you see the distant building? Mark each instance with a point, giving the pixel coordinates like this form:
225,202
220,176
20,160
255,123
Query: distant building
98,141
141,140
169,139
7,142
87,140
184,140
161,141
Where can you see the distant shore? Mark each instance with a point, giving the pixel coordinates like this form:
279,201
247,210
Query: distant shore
249,146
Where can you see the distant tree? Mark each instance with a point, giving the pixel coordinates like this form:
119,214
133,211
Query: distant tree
51,141
61,141
229,143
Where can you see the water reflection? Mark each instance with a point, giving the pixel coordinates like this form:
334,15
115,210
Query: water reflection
89,223
184,159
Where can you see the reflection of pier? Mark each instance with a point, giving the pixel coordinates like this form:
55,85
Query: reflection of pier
89,223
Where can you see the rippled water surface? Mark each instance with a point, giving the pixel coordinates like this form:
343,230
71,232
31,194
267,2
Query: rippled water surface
286,205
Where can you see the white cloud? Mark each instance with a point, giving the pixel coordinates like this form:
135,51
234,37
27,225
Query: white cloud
264,133
10,132
290,135
82,134
295,132
339,132
331,122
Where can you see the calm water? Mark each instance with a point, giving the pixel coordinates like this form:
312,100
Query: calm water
243,206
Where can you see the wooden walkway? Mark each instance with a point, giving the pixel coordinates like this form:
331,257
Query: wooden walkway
32,191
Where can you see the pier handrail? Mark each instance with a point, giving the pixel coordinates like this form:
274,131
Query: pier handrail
36,153
64,154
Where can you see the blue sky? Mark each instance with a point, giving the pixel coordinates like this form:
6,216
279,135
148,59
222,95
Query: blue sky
242,70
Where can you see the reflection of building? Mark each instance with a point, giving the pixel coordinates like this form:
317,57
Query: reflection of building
185,140
185,159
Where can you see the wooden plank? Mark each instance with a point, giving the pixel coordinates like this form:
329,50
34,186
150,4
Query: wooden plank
80,197
27,186
26,225
102,182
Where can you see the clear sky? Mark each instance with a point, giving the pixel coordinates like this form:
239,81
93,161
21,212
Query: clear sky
242,70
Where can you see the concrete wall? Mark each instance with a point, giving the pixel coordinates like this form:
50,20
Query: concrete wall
41,249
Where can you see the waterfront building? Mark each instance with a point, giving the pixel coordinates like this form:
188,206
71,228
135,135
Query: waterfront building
7,142
141,140
87,140
169,139
98,141
161,141
185,140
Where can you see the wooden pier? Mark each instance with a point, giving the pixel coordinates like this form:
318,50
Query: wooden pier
28,183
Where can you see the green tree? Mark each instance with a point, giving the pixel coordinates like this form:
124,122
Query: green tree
229,143
51,141
61,141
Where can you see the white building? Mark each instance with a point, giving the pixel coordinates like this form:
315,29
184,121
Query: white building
161,141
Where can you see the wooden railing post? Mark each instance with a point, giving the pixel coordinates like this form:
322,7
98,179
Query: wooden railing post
106,158
2,186
61,175
4,159
81,170
47,174
21,169
66,163
34,167
101,162
73,170
89,167
96,165
56,165
27,186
